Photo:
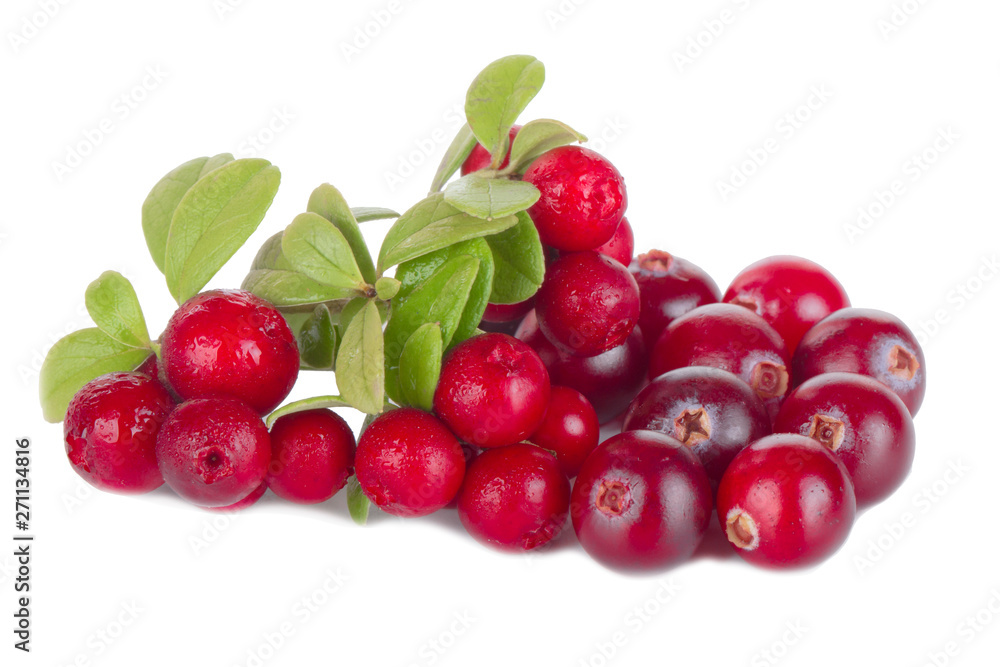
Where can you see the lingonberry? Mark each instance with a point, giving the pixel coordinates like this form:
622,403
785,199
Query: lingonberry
668,288
110,431
642,501
312,455
408,463
570,429
230,342
213,451
786,501
252,499
609,381
587,304
861,421
498,313
790,293
493,390
711,411
868,342
582,198
514,498
480,158
621,246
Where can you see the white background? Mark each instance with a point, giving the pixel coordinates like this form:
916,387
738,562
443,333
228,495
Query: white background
420,591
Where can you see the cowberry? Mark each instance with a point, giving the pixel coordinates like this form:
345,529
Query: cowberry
480,158
570,429
669,287
621,246
312,455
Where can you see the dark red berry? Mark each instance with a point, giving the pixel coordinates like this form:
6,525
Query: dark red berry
668,288
479,158
110,431
790,293
582,198
408,463
508,312
862,422
570,429
867,342
514,498
642,501
312,455
621,246
150,367
786,501
252,499
493,390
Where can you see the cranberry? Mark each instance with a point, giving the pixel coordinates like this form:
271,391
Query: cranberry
312,455
710,411
786,501
507,312
480,158
514,498
570,429
252,499
493,390
408,463
609,381
582,198
110,431
213,451
867,342
790,293
668,288
150,367
642,501
622,244
230,342
588,303
862,422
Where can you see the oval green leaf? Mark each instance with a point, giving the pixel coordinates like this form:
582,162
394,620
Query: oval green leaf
457,152
314,403
114,307
327,201
386,287
369,213
358,504
536,138
420,366
519,262
291,288
498,96
318,339
361,361
317,249
490,198
269,256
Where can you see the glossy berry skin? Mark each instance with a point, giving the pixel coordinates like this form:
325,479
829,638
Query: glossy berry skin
250,500
642,502
621,246
570,429
213,452
668,288
493,390
110,432
312,455
862,422
498,313
479,158
408,463
711,411
587,304
867,342
514,498
609,381
230,342
790,293
582,198
786,501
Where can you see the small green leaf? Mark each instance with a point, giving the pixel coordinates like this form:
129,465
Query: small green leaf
460,148
213,219
269,256
347,313
420,366
369,213
291,288
537,137
357,502
114,307
490,198
519,262
327,201
386,287
77,359
318,339
314,403
361,361
314,247
498,96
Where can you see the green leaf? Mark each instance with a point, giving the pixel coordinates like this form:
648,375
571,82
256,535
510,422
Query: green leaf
357,502
314,403
114,307
386,288
318,339
430,225
460,148
519,262
327,201
269,256
347,313
291,288
314,247
369,213
361,361
420,366
498,96
213,219
77,359
162,200
490,198
537,137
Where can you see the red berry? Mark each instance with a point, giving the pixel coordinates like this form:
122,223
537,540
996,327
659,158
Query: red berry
621,246
514,498
493,390
110,431
790,293
252,499
230,342
312,455
668,288
867,342
588,303
479,158
642,501
507,312
862,422
408,463
786,501
570,429
582,198
214,451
